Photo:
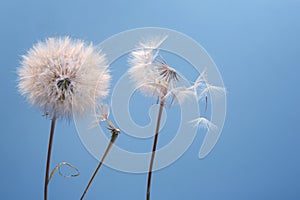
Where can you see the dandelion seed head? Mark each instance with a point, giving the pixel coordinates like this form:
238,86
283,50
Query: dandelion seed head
61,76
149,71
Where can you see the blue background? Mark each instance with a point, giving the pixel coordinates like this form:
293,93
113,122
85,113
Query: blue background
255,45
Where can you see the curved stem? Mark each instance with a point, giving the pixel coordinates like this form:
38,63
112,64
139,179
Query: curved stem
49,157
112,140
162,103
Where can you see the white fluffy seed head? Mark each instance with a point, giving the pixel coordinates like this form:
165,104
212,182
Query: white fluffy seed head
61,76
149,71
142,70
153,76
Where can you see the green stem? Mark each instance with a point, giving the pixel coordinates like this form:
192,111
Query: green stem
162,103
49,157
112,140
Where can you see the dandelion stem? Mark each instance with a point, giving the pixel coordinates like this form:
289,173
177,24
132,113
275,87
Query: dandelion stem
162,103
112,140
49,157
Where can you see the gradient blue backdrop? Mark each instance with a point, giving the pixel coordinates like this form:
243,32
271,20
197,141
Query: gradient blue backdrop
256,46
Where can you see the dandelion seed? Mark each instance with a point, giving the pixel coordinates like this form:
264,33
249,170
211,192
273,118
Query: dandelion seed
210,88
204,123
200,84
62,76
101,115
202,87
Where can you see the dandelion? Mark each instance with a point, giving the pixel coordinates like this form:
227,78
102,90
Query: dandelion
155,78
61,76
103,114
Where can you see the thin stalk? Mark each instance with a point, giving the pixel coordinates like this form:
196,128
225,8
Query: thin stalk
162,103
49,157
112,140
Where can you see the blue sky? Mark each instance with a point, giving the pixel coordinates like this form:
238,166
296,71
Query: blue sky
255,45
